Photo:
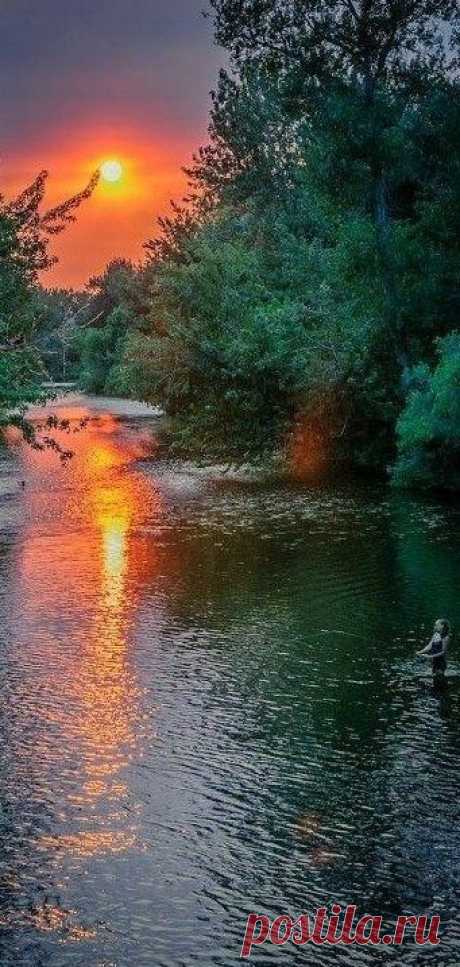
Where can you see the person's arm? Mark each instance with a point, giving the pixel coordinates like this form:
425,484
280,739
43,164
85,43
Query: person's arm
427,651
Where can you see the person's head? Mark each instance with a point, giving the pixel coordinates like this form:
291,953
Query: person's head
442,627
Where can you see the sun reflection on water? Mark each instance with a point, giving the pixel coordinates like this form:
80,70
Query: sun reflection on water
78,591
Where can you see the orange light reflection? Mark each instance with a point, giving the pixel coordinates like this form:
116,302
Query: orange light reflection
88,580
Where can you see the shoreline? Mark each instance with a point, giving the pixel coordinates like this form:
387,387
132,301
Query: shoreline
112,406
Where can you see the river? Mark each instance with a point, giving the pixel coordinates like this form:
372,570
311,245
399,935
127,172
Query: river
210,707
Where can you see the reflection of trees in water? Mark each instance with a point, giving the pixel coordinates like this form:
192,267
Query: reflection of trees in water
309,700
426,538
275,619
297,608
29,899
312,627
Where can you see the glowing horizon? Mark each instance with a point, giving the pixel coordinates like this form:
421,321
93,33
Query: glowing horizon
132,90
121,215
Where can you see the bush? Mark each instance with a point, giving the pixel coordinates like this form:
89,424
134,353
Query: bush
428,430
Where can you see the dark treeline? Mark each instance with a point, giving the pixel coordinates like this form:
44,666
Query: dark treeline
304,300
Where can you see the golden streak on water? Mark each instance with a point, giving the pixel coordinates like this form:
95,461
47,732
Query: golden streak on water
50,919
90,844
90,584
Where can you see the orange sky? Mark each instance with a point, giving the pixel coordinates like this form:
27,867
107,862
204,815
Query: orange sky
118,217
84,81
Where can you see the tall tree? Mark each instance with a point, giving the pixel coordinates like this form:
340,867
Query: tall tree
316,266
368,41
361,47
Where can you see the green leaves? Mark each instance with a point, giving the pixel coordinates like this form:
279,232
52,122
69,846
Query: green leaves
371,40
24,236
429,427
299,291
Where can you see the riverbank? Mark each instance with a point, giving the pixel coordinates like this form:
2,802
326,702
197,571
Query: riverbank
99,404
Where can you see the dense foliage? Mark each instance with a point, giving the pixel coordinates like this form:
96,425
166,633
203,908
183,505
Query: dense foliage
428,428
115,308
297,302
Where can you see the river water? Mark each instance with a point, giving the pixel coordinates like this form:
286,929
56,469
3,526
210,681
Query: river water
210,706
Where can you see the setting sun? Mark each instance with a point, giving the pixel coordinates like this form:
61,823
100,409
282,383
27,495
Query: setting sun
111,170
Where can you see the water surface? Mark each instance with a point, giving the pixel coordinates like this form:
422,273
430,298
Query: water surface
210,706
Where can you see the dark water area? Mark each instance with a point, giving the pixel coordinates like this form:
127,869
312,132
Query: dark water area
210,706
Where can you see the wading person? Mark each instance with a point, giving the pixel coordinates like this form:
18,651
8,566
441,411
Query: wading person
436,649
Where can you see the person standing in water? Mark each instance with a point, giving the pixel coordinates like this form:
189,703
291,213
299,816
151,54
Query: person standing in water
436,649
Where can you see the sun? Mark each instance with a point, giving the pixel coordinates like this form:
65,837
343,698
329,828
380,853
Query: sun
111,170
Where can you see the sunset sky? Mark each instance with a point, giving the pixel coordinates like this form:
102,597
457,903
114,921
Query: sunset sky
84,81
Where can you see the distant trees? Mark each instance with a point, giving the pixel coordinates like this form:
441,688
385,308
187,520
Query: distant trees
115,308
58,316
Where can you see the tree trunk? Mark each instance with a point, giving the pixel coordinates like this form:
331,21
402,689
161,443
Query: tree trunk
383,227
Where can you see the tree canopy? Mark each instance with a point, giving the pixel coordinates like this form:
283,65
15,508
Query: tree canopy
291,304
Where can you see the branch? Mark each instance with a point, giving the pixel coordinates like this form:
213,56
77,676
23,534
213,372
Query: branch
13,345
84,325
54,221
351,7
267,44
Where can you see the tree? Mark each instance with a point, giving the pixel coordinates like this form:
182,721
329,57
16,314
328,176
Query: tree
312,265
366,42
59,314
359,60
24,235
339,97
429,426
116,307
